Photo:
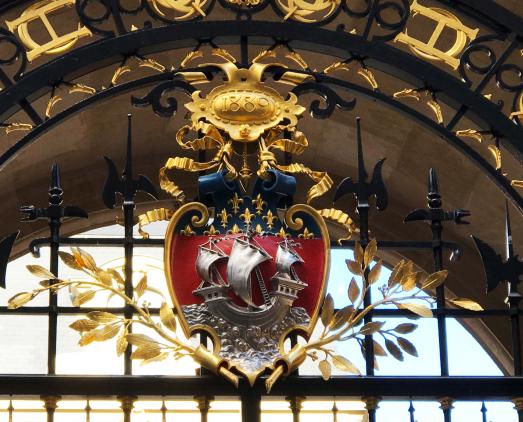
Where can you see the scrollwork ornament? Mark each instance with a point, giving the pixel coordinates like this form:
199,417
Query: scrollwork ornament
94,22
171,11
310,12
330,97
517,108
476,49
400,7
163,105
503,83
18,53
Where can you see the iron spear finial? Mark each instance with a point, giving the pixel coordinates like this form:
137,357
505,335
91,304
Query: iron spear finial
55,186
433,197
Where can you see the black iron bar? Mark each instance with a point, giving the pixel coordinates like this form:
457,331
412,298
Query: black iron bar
251,402
483,412
412,411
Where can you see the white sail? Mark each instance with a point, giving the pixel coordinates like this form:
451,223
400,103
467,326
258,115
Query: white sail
244,258
285,258
206,261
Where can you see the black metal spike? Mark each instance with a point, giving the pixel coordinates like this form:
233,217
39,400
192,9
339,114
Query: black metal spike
55,186
125,185
509,246
362,189
6,245
433,197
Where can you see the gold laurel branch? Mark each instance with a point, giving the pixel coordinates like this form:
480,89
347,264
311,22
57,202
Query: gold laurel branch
15,126
120,70
339,217
496,153
55,99
517,183
436,108
336,66
408,93
470,133
153,216
82,88
151,64
100,325
368,75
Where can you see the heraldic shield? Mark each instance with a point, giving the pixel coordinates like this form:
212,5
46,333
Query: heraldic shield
247,270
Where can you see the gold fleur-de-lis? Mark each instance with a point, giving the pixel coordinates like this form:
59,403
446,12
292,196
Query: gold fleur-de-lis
259,229
235,203
188,231
269,218
306,234
235,229
283,234
224,217
247,216
259,203
211,232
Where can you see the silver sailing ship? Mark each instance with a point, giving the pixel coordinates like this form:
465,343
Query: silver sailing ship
242,267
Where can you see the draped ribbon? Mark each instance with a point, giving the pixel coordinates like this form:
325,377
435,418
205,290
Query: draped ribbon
210,140
296,145
153,216
339,217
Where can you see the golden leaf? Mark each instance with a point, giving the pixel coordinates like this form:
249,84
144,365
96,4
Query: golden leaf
374,273
341,317
407,346
371,327
405,328
354,290
39,271
416,308
466,304
84,297
141,287
100,334
116,276
354,267
410,280
19,300
396,274
393,349
435,279
87,338
162,356
378,349
496,153
69,260
104,277
358,253
370,252
83,325
325,369
470,133
102,317
147,351
327,310
167,317
121,343
140,339
343,364
84,259
436,108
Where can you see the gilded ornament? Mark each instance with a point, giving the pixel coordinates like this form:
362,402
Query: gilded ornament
211,232
235,203
187,231
40,11
269,218
224,217
184,9
247,216
443,20
308,12
259,204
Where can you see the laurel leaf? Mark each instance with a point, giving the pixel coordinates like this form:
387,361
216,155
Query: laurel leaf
162,356
397,274
407,346
341,317
466,304
121,343
84,259
410,281
69,260
374,273
378,349
19,300
358,253
83,325
140,339
416,308
343,364
141,287
102,317
83,297
354,267
405,328
167,317
104,277
371,327
370,252
39,271
354,290
325,369
100,334
146,351
435,280
116,276
327,310
394,350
